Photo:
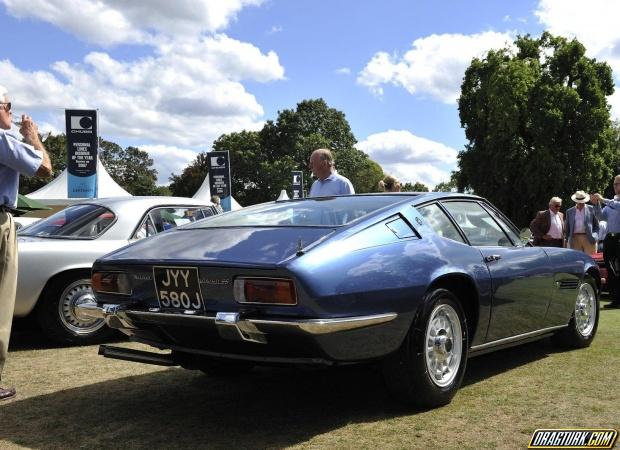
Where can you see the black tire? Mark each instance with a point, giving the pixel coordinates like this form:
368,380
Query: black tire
408,372
584,319
55,312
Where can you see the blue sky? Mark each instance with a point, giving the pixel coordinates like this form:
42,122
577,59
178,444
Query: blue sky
170,77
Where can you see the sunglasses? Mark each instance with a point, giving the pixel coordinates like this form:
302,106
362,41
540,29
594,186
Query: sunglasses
7,106
557,206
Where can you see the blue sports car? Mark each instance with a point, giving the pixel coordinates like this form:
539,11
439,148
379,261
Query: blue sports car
416,282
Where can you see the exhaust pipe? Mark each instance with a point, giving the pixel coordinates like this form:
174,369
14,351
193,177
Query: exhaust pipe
127,354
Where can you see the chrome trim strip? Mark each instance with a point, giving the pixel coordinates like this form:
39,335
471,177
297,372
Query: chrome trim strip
516,338
326,326
250,326
310,326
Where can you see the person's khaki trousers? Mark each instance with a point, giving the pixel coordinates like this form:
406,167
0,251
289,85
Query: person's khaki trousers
580,242
8,282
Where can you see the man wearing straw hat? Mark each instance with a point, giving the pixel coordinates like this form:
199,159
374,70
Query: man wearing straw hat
581,224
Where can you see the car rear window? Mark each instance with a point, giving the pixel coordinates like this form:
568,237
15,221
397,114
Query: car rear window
74,222
320,212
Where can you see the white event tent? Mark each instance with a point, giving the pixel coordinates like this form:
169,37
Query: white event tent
56,192
204,193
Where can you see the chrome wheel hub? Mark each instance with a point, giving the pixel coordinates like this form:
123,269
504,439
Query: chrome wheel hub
585,310
443,345
78,293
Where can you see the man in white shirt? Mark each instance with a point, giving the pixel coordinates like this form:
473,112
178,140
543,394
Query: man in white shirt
328,181
548,226
581,224
30,158
609,210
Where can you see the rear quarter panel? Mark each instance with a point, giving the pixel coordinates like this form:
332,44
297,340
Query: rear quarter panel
42,259
567,265
371,271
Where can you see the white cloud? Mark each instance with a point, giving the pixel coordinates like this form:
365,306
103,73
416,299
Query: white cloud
187,94
275,29
411,158
343,71
434,66
508,18
110,22
168,160
595,25
46,128
614,101
175,101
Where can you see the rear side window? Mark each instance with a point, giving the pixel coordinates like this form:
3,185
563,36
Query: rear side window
439,222
400,228
162,219
74,222
477,224
507,226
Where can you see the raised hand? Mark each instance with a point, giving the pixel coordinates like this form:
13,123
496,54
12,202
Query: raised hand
29,130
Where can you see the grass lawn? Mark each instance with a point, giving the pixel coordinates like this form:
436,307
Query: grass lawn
72,398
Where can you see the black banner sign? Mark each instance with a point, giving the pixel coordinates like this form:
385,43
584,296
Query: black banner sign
82,144
219,174
298,184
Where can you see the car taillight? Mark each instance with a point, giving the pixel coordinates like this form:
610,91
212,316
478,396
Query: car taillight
111,283
272,291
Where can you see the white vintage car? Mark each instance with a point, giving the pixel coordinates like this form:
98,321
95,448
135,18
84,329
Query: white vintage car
23,222
56,255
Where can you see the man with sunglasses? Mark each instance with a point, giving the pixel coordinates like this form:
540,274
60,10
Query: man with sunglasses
17,156
611,244
548,226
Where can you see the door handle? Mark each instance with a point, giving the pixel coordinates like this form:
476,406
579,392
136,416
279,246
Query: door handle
491,258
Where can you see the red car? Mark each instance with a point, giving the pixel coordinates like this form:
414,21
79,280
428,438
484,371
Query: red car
598,257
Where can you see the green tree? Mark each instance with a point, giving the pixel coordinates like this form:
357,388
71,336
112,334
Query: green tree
365,175
615,138
163,191
415,187
131,167
448,186
189,181
537,122
56,147
262,161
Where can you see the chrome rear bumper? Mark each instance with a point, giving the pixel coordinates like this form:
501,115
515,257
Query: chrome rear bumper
231,325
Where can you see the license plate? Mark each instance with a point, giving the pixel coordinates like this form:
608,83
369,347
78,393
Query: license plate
178,287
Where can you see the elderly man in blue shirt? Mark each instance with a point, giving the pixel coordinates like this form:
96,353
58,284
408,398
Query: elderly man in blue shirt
611,245
328,182
30,158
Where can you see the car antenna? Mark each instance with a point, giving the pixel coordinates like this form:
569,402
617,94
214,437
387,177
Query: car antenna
300,248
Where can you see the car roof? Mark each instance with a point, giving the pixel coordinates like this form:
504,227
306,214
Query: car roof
143,201
420,197
129,211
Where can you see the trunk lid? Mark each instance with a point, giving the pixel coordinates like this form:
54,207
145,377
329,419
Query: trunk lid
239,246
